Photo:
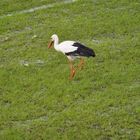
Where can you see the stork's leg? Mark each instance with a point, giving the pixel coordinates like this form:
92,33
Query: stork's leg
81,64
72,70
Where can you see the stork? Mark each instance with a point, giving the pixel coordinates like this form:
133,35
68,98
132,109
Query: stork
72,50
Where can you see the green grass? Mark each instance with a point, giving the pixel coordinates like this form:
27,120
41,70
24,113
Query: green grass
37,101
8,6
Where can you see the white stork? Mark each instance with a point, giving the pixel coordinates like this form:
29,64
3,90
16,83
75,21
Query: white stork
72,50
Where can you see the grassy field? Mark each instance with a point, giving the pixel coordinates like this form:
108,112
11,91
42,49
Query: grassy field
38,102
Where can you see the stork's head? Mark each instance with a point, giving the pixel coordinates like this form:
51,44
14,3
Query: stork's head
54,37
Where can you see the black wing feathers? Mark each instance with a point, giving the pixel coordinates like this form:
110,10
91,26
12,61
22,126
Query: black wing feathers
81,51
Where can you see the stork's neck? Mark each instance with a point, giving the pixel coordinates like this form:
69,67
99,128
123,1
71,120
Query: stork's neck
56,41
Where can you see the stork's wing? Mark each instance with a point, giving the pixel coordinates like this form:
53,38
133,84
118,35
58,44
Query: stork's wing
81,50
67,46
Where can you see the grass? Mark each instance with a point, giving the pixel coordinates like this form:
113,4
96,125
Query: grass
39,102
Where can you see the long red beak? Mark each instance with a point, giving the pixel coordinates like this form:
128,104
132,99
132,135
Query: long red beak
50,44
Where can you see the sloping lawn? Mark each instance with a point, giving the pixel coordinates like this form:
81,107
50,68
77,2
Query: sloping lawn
39,102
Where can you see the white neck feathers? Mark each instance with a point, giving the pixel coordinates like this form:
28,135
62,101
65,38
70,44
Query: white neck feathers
56,41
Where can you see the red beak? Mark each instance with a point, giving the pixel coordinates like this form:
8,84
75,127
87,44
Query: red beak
50,44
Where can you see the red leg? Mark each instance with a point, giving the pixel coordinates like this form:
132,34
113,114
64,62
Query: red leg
72,71
81,64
